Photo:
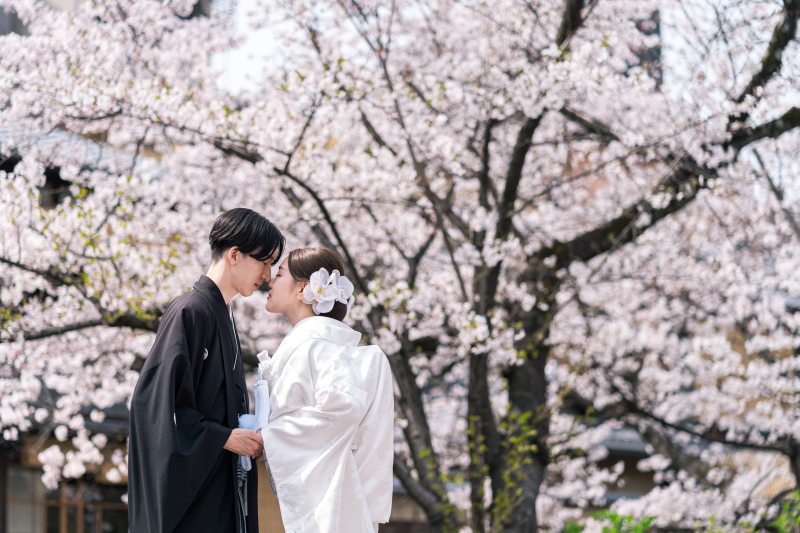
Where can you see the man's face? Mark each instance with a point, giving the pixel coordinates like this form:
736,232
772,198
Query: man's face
250,273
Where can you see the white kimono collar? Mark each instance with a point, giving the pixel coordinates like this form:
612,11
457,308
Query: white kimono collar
318,327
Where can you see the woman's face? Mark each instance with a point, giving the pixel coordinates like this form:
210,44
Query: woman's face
284,291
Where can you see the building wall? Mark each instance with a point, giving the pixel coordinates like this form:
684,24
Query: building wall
10,23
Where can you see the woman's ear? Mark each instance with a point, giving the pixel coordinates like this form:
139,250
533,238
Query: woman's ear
301,286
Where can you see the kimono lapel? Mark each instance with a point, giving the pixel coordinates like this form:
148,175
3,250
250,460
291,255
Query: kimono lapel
315,327
212,294
238,372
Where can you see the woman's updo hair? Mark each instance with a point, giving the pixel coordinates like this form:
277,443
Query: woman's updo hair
303,262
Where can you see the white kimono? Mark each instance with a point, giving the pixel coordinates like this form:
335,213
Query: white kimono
328,440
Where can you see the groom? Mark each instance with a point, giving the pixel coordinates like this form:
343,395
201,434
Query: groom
184,448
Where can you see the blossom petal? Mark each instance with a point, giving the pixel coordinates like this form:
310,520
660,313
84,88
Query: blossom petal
323,306
345,288
308,294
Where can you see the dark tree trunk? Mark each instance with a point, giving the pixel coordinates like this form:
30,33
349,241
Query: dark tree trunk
527,394
3,489
478,389
793,454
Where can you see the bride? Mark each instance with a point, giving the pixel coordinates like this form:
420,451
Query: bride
324,405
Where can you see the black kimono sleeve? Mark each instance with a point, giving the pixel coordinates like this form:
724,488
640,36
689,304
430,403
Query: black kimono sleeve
173,447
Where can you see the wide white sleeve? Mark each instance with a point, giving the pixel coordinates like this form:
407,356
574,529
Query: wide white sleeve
262,393
375,440
262,404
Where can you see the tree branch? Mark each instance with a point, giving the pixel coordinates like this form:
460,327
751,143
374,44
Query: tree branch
452,253
121,321
483,175
300,137
52,332
705,435
783,34
763,524
686,182
362,285
416,90
374,133
625,406
316,229
56,278
683,184
772,129
680,459
591,125
417,432
514,175
413,263
427,500
571,20
778,193
238,151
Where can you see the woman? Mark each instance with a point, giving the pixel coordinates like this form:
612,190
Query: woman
327,427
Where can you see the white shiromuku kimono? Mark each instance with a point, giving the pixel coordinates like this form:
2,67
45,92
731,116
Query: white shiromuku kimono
328,437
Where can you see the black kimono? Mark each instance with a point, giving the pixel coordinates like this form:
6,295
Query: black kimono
185,405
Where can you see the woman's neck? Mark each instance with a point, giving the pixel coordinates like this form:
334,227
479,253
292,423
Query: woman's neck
299,314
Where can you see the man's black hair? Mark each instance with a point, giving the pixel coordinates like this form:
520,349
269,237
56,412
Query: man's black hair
253,234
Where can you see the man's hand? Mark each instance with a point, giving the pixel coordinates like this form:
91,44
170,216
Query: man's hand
245,442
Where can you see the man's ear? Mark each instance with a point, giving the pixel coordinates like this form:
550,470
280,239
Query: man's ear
233,255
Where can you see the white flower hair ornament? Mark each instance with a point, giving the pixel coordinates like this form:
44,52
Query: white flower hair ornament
323,290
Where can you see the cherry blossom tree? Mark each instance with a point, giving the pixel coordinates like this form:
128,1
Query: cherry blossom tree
560,218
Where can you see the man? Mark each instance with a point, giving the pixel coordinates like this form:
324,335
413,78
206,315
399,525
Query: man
183,466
